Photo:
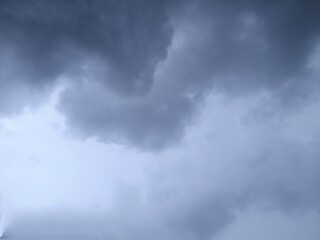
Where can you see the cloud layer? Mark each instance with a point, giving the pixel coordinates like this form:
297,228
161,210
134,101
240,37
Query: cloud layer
237,48
187,117
138,71
234,159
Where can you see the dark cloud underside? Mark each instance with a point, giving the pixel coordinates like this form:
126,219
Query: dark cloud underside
47,39
238,47
129,82
236,81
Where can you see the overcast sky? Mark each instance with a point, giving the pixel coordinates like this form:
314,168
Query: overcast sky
160,120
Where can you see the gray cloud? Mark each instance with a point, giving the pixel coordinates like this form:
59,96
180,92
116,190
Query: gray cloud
232,160
235,82
44,40
124,84
217,46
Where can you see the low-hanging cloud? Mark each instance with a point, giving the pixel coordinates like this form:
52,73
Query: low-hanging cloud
219,46
44,40
224,168
137,71
234,82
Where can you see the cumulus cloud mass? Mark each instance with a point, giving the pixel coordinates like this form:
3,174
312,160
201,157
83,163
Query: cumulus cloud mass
167,120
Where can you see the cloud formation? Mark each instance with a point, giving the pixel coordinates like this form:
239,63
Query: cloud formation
232,161
139,70
43,40
237,48
220,98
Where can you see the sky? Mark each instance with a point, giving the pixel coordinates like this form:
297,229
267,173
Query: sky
160,120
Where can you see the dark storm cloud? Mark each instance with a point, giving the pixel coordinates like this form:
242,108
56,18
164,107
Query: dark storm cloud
138,70
233,46
287,32
42,40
